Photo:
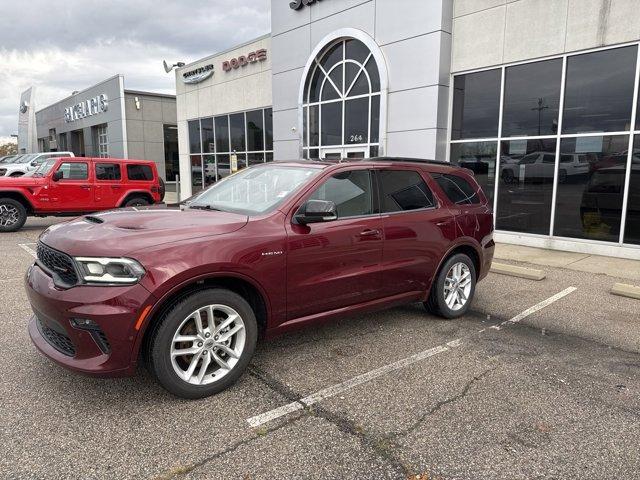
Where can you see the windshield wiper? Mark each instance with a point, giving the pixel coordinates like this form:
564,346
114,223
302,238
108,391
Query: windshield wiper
203,206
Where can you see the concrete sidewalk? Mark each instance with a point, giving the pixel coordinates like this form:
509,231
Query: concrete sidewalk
614,267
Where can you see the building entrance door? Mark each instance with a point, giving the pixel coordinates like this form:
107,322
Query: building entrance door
344,152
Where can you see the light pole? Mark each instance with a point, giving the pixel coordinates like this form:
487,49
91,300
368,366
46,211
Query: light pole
541,106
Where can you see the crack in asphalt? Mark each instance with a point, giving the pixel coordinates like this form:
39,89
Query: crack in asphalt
441,403
379,445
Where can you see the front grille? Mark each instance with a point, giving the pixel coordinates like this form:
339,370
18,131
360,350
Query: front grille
57,340
59,264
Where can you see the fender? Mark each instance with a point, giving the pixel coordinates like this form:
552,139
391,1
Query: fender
160,301
461,242
19,191
123,197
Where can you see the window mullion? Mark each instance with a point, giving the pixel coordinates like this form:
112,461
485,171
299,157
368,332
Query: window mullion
554,193
496,174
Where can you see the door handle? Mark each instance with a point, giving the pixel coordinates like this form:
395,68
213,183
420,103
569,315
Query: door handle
370,233
85,187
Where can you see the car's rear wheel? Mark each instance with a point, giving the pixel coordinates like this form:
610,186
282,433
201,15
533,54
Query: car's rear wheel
137,202
454,287
13,215
203,344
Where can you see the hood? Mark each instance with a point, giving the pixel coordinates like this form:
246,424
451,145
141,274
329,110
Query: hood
122,232
22,181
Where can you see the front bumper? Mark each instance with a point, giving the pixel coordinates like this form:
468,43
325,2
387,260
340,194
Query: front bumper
53,328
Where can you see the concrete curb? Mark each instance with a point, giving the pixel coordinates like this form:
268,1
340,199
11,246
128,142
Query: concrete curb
521,272
624,290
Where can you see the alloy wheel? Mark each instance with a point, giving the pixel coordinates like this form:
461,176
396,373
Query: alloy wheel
208,344
457,286
9,215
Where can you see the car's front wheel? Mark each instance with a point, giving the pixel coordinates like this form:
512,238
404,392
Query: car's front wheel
203,344
453,289
13,215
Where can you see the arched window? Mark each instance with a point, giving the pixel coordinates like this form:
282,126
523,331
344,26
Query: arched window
341,102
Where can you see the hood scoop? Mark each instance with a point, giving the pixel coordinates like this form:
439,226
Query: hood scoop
92,219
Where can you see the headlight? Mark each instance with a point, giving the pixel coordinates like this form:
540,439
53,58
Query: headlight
109,270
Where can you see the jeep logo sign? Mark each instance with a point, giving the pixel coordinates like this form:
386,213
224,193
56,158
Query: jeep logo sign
298,4
88,108
244,60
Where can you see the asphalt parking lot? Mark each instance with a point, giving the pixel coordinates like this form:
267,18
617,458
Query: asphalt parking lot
540,380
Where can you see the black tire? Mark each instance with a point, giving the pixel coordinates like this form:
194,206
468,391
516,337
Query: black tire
17,212
436,303
163,189
136,202
16,174
158,347
562,176
507,176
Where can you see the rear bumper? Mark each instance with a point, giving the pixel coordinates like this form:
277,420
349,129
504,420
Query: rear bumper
488,249
54,330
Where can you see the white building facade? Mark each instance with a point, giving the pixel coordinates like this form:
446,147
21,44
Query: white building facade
537,97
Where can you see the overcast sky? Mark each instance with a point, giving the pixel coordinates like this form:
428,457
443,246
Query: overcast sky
59,47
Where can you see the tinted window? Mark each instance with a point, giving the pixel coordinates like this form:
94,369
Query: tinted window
237,132
255,131
108,171
525,186
403,190
532,99
590,195
194,136
476,104
599,91
268,128
208,141
350,191
356,121
632,230
139,172
222,133
332,123
480,158
457,189
74,171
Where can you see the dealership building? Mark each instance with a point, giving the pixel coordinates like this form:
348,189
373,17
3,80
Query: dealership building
537,97
107,120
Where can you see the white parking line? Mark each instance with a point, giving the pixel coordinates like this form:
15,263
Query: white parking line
333,390
28,249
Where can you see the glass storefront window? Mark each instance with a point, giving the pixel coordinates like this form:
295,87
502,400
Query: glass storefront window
532,99
208,141
196,173
632,230
222,133
332,116
525,188
599,91
209,164
476,105
479,157
268,128
194,136
591,175
238,141
255,131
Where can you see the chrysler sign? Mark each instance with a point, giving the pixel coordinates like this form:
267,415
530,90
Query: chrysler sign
87,108
198,75
298,4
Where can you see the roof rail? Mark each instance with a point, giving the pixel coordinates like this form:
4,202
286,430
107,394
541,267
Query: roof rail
408,159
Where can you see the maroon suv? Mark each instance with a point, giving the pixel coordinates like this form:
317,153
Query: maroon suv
190,289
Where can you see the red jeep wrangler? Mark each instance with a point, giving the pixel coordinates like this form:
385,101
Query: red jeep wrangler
73,186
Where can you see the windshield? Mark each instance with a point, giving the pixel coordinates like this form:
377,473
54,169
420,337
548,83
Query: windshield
26,158
254,190
44,168
8,159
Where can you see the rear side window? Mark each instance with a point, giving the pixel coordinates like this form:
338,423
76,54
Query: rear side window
457,189
108,171
403,190
139,172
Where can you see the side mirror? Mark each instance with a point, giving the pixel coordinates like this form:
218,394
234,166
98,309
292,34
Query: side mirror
57,175
34,164
316,211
